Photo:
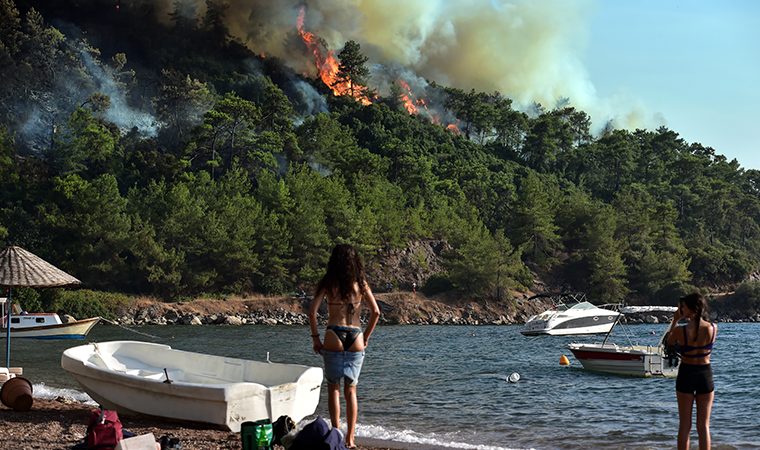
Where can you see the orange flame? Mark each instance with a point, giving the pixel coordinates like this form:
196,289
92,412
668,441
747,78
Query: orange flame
407,101
454,128
327,65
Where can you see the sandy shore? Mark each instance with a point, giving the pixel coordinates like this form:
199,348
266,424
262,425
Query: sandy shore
61,424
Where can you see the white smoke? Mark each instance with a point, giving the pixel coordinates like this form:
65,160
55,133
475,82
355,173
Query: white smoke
528,50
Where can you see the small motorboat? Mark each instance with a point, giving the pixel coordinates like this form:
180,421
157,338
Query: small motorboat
570,314
133,377
634,360
42,325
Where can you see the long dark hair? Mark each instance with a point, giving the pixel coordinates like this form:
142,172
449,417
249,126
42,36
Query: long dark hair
697,303
344,268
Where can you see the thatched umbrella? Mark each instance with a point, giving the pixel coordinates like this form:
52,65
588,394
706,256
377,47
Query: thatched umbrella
20,268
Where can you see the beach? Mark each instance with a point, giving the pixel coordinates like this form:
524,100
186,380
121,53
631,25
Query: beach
62,423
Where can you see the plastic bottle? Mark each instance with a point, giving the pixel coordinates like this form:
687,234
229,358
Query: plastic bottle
263,442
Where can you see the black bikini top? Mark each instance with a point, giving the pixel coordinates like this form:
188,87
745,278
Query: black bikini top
351,306
688,348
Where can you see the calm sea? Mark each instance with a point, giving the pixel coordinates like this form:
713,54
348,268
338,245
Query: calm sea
447,386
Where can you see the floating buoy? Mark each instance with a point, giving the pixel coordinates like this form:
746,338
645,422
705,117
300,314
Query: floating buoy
514,378
473,334
651,332
563,361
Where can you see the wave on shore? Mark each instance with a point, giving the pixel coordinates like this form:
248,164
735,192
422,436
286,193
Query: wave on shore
40,390
403,439
409,439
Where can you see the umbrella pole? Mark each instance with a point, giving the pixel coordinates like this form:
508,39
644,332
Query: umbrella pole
8,328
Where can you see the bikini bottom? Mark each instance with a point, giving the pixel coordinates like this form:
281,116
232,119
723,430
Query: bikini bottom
695,378
346,335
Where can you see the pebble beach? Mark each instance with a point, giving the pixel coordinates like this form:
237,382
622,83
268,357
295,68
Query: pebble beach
62,423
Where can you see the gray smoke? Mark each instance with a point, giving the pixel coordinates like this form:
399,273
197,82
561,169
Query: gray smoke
119,113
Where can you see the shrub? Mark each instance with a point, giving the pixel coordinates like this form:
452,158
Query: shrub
84,303
28,298
747,296
436,284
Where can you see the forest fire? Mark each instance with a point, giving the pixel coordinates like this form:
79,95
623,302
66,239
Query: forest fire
327,65
415,105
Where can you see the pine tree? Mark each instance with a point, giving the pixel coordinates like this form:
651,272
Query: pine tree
352,70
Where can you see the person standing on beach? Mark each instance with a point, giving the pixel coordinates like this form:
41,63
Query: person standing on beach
695,375
345,288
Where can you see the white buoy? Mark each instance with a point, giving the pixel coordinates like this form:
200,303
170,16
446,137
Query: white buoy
514,378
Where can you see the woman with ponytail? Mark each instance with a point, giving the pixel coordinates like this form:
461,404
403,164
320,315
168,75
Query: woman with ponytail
695,376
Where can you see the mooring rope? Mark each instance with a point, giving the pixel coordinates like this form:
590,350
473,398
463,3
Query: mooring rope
134,331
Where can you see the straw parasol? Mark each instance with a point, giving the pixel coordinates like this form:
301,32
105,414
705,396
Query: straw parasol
20,268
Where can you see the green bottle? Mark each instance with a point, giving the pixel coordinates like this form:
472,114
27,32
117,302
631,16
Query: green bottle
263,442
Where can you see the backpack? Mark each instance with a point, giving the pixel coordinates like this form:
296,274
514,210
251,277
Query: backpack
104,430
318,435
280,428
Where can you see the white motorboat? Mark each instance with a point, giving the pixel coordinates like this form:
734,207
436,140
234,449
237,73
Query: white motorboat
570,314
43,325
634,360
153,379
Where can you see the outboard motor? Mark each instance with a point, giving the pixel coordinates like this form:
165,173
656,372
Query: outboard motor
672,352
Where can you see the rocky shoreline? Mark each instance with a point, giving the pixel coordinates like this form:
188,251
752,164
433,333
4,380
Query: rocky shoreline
396,309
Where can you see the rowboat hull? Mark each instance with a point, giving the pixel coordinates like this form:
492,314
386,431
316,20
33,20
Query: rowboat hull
155,380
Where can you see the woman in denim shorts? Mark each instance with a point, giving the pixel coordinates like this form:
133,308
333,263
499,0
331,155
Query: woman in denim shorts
345,288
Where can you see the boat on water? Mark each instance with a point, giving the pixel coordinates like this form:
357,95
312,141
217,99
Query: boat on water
42,325
570,314
634,360
134,377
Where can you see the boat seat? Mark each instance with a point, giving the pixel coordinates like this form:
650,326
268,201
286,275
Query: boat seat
107,362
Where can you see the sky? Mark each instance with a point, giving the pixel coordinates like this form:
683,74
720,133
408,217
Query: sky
694,65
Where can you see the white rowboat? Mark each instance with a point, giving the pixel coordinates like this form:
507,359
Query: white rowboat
133,377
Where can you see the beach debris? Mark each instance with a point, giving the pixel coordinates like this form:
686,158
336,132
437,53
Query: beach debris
65,400
16,393
563,361
514,378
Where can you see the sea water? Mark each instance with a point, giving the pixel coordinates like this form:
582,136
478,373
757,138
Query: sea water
448,386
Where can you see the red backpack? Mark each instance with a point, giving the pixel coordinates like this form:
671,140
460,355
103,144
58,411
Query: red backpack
104,431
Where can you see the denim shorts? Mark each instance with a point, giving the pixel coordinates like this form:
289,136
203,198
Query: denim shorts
343,364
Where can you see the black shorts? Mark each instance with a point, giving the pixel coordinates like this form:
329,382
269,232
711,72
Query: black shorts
695,379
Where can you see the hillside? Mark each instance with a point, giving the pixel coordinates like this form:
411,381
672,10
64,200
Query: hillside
154,154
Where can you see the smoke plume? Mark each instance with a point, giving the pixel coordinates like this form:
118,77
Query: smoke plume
528,50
